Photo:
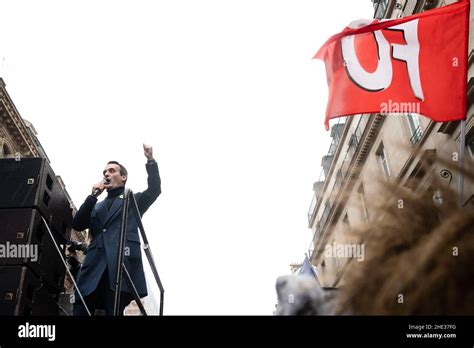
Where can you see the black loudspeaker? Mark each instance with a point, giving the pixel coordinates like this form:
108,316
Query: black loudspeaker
25,240
23,293
31,183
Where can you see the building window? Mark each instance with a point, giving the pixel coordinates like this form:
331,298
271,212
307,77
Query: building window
382,158
415,128
5,151
364,212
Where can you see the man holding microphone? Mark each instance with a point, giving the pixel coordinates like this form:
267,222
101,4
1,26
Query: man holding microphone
96,279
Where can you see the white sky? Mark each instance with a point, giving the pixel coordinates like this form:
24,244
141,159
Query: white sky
227,94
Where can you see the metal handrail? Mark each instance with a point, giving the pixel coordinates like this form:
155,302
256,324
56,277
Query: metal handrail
120,254
121,269
65,265
130,284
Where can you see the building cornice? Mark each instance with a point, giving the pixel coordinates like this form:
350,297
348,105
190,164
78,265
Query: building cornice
15,125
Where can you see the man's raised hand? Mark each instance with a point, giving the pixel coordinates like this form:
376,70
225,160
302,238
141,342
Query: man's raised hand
148,150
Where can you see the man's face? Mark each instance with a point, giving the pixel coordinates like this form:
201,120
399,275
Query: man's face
112,174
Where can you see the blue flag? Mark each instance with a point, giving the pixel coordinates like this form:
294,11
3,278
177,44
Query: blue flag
307,268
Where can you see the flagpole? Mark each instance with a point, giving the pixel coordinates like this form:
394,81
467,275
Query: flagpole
462,145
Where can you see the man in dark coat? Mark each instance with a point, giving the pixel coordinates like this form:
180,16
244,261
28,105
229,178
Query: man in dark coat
96,279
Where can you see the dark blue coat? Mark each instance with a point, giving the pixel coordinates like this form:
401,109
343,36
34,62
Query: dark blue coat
104,227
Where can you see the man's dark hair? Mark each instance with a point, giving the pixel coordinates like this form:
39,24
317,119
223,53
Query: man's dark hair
123,170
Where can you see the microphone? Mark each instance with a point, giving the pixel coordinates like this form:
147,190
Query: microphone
98,191
75,246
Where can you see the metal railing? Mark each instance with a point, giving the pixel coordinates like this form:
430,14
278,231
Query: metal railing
121,269
416,136
380,9
339,179
68,271
357,135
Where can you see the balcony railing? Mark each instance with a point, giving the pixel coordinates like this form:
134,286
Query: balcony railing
356,136
339,180
416,136
380,8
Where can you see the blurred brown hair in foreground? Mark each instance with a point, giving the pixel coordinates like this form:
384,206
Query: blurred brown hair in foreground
419,255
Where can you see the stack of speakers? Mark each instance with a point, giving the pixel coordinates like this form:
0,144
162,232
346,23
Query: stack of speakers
31,270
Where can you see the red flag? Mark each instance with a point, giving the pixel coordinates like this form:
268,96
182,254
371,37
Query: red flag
415,64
